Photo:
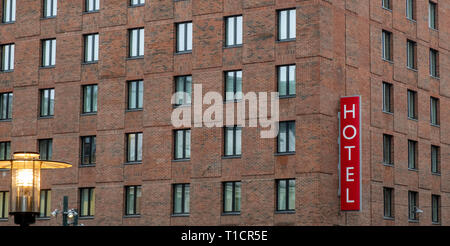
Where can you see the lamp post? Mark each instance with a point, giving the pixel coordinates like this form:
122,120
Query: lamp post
25,184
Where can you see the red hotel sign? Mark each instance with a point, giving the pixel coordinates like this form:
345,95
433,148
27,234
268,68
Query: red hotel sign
350,153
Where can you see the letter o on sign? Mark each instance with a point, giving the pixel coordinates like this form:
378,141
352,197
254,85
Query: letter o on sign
345,135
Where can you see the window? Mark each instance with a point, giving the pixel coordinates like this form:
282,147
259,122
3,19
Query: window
411,54
135,94
45,204
411,9
388,195
9,11
181,199
232,197
7,54
184,37
412,104
286,24
134,147
92,5
233,30
435,159
388,149
286,195
412,154
386,4
435,208
434,111
387,45
183,89
233,141
87,202
286,80
434,63
412,205
47,102
91,48
90,93
137,2
136,42
387,97
88,148
233,85
48,52
286,137
50,7
6,103
4,204
132,200
45,149
432,15
182,144
5,151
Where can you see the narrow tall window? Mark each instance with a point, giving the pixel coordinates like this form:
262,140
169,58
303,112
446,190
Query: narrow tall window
182,144
87,202
181,198
386,4
136,39
432,15
388,195
412,104
286,137
434,63
232,197
435,208
90,94
9,11
88,149
47,102
286,195
233,30
233,85
233,141
92,5
4,204
137,2
411,54
435,159
7,56
286,24
134,147
45,204
5,151
412,205
411,9
183,90
434,111
184,37
386,42
388,149
387,97
286,80
133,200
412,154
91,48
50,7
135,94
48,52
6,103
45,149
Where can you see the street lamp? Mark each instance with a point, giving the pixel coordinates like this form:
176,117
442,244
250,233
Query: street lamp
25,184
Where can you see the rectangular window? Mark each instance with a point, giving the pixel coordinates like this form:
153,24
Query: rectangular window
92,5
233,85
411,54
45,149
88,148
133,200
50,7
87,202
9,11
412,154
137,2
134,147
435,208
411,9
387,97
47,102
135,94
432,15
7,55
181,198
91,48
182,144
184,37
434,111
388,149
412,205
232,197
183,90
136,38
386,42
233,141
45,204
286,195
286,24
6,103
286,80
412,104
233,30
286,137
388,195
5,151
90,94
434,63
4,204
386,4
48,52
435,159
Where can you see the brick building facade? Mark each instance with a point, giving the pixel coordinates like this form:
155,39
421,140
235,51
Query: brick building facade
337,51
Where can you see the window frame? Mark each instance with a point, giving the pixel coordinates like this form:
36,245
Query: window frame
12,11
131,42
11,57
93,99
136,200
432,15
4,202
412,104
237,95
140,3
434,63
386,42
184,93
388,142
139,98
434,109
388,204
183,199
289,124
184,139
287,194
388,6
435,159
235,32
92,148
136,145
48,145
47,203
91,199
288,25
410,10
6,110
413,204
51,55
412,163
50,109
6,149
185,37
287,82
411,45
387,87
95,6
435,210
234,151
234,207
53,9
91,58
